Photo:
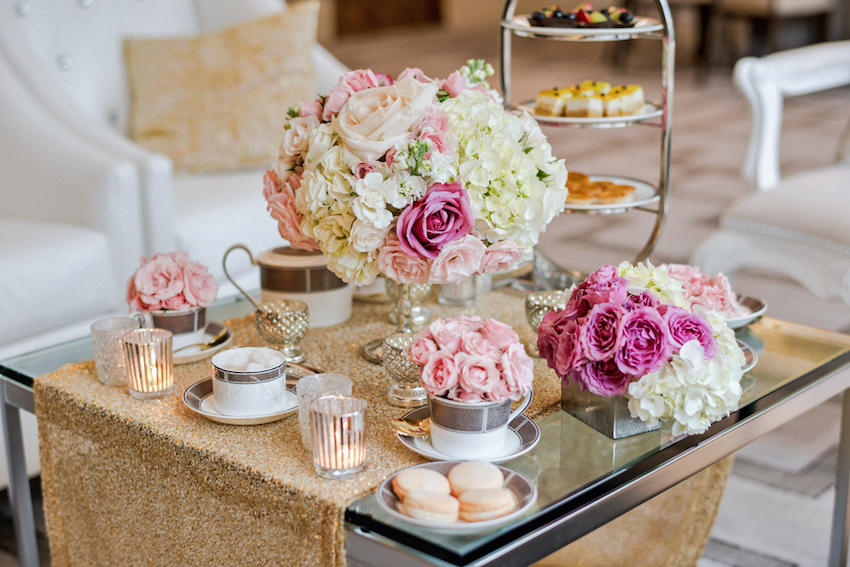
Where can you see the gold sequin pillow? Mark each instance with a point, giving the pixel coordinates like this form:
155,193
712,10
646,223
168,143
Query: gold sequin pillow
219,101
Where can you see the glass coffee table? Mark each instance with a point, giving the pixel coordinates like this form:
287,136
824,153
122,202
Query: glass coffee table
584,479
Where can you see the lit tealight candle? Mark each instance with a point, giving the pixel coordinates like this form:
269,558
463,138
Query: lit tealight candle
338,426
149,363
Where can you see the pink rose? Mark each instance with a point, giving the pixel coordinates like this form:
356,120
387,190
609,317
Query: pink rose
457,260
447,334
461,395
682,272
199,288
416,74
645,299
350,83
603,378
501,335
472,323
548,334
443,215
645,342
362,169
399,266
604,285
475,343
568,353
280,199
433,129
440,374
454,84
384,80
599,334
500,256
718,296
158,280
685,326
421,350
517,370
477,374
311,109
177,303
133,296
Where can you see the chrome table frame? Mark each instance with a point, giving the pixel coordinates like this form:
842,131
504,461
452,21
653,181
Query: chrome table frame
557,526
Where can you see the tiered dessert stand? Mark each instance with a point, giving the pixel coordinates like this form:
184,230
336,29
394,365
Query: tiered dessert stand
647,197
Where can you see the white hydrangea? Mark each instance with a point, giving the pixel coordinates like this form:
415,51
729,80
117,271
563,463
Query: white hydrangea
647,277
514,185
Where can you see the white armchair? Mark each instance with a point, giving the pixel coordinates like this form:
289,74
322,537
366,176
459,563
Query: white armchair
70,56
798,225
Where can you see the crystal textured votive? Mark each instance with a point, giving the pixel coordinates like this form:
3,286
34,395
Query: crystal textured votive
338,426
311,387
108,353
149,358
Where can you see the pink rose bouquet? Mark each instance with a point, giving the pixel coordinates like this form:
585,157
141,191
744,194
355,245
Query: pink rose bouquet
712,292
171,281
472,359
630,331
419,179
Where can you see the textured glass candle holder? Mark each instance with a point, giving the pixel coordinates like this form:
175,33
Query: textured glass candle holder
108,353
150,363
406,391
311,387
282,324
338,425
460,294
419,294
537,305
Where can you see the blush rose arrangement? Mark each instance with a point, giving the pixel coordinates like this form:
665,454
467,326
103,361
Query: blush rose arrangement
630,331
711,292
422,180
472,359
171,281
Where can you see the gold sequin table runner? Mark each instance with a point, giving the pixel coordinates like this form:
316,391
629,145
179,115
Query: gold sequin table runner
130,482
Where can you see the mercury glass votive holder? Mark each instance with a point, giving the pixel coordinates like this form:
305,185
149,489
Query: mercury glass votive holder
149,358
108,350
338,425
309,388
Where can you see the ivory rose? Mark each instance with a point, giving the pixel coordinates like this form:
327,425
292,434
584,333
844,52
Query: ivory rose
373,120
350,83
296,137
457,260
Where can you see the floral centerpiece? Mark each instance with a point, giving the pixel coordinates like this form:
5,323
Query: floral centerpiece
171,281
419,179
711,292
629,331
472,359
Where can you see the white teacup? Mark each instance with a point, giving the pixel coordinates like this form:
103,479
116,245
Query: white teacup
242,388
188,327
472,430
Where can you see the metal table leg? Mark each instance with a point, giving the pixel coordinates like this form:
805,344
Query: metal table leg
840,520
19,484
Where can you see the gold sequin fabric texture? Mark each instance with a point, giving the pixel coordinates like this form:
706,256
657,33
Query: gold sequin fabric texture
130,482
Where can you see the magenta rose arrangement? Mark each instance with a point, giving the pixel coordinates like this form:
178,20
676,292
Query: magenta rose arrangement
711,292
171,281
629,331
472,359
422,180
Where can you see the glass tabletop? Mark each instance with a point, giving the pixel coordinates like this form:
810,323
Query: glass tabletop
574,464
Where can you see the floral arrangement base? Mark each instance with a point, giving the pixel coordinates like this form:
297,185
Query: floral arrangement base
608,415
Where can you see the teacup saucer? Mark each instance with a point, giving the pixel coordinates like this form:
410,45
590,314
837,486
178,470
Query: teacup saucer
523,435
199,398
194,354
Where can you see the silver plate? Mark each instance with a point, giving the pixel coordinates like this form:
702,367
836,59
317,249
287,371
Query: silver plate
751,308
523,489
649,111
523,434
194,354
198,398
519,25
644,194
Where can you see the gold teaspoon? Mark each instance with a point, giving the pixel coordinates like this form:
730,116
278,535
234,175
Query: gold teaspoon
216,340
412,427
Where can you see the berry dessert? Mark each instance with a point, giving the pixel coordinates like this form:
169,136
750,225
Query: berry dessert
582,16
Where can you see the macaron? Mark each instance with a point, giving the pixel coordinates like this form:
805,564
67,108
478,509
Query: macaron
481,504
419,479
430,506
475,474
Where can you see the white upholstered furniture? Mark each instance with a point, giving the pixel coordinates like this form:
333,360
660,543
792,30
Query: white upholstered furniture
70,56
798,225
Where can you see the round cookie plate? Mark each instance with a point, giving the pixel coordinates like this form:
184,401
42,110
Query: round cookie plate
199,398
751,309
523,435
523,489
650,110
750,355
644,194
520,26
